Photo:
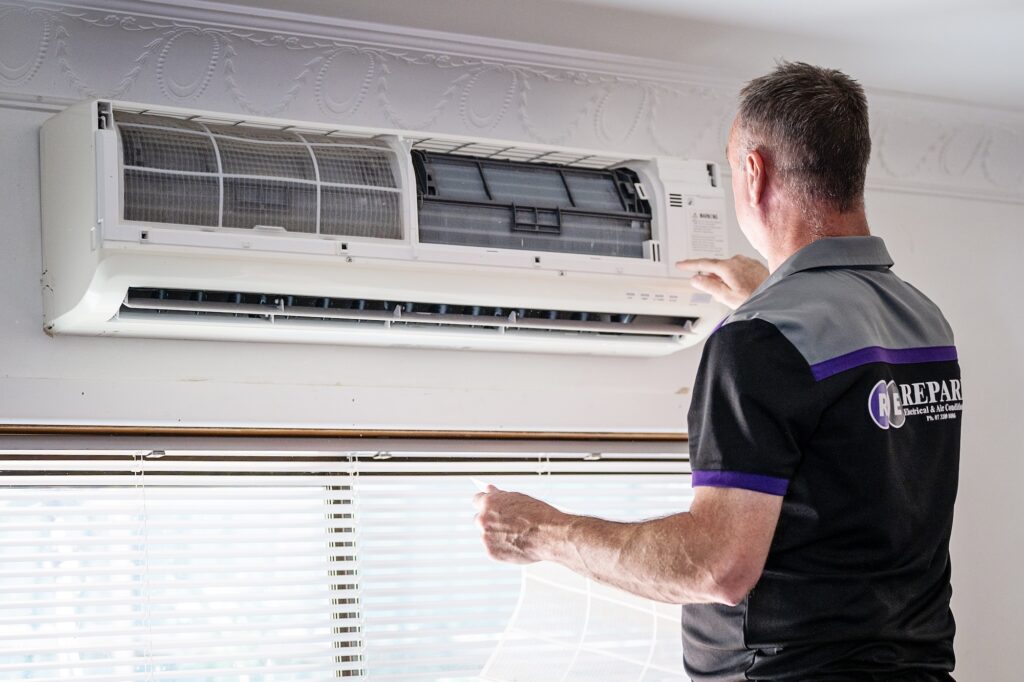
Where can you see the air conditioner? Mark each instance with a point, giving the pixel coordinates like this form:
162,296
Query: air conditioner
165,222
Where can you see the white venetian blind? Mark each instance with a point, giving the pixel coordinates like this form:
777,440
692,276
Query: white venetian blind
122,567
259,566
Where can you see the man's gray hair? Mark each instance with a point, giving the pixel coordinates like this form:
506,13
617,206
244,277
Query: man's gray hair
811,125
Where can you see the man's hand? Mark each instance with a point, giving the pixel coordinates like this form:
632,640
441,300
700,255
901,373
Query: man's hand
515,527
729,281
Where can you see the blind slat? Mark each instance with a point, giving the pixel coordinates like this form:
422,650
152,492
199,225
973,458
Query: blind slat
252,612
325,653
12,637
296,535
319,564
233,673
164,585
187,643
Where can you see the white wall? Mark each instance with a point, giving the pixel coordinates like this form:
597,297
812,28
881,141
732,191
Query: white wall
946,193
966,256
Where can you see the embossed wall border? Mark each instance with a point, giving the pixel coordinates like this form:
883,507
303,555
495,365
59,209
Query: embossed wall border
272,63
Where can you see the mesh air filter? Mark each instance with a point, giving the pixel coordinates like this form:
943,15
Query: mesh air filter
185,172
532,206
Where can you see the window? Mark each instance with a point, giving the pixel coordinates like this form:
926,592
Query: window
207,566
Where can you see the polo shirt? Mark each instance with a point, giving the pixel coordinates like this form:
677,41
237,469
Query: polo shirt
837,387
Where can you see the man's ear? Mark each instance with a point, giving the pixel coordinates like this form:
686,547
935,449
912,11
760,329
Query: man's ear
755,176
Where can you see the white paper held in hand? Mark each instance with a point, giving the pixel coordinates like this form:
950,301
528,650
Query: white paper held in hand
567,628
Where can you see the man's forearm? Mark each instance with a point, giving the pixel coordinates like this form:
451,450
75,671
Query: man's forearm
662,559
713,553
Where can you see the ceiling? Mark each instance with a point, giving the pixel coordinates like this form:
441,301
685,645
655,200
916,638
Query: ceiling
955,49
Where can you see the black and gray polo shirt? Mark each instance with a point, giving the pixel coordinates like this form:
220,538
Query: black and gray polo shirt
836,386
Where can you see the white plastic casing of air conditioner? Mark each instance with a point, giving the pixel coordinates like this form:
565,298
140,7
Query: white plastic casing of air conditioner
92,256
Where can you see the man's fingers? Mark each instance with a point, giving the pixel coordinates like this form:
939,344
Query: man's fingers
697,263
710,284
740,274
478,500
702,264
722,269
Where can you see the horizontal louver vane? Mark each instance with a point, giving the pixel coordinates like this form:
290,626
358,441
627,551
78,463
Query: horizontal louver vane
278,308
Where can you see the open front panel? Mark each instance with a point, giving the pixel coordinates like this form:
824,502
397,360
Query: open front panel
187,172
473,201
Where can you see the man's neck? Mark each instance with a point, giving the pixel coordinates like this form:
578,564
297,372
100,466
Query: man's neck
796,231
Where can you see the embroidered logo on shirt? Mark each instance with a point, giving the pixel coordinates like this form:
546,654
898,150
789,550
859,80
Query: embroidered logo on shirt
889,403
884,405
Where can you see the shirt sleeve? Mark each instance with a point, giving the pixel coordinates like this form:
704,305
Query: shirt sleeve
755,402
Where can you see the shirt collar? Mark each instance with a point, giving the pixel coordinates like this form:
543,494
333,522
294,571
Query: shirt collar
834,252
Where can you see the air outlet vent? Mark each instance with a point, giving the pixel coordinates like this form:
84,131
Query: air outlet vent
266,308
675,200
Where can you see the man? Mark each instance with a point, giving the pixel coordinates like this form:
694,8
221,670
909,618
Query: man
824,431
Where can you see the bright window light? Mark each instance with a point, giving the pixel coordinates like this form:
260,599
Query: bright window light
260,567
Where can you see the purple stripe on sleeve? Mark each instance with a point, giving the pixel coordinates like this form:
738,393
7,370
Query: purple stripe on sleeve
738,479
864,356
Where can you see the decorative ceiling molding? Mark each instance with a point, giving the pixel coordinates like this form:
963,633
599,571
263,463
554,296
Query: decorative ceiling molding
233,59
228,16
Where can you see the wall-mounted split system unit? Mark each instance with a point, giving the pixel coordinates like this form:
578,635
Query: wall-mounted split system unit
162,222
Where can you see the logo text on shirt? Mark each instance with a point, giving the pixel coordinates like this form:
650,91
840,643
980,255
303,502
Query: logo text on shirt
889,403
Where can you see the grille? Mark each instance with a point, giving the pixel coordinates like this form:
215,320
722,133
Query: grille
186,172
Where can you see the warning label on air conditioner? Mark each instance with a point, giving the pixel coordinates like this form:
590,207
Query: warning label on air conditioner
707,229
